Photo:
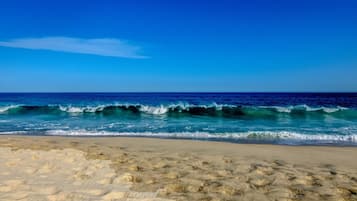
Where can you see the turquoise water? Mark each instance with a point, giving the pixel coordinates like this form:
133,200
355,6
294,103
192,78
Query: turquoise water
281,118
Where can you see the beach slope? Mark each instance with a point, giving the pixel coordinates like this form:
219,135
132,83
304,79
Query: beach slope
118,168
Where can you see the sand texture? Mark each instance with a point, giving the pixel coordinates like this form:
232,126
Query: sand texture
61,175
68,168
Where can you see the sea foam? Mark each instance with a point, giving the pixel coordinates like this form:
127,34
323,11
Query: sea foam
283,137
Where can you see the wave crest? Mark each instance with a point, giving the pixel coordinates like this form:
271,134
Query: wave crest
214,110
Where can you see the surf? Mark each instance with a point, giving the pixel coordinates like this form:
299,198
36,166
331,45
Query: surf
182,110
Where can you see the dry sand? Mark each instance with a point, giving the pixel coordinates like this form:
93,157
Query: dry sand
69,168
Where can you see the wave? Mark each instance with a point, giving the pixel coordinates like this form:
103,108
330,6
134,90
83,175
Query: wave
7,108
214,110
283,137
306,108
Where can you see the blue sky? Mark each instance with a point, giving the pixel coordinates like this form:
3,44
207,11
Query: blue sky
226,45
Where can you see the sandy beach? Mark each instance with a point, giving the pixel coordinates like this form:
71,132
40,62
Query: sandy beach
103,168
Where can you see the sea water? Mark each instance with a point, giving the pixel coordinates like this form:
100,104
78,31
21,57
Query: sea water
278,118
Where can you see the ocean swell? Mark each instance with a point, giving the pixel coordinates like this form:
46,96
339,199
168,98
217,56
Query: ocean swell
177,110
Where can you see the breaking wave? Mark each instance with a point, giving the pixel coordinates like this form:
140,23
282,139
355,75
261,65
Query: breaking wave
214,110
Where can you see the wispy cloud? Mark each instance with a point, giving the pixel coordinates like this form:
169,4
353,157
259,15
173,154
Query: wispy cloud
97,46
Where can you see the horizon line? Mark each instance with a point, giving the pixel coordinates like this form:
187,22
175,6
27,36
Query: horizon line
96,92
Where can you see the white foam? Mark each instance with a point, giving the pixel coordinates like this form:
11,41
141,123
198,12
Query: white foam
283,109
288,109
331,110
253,135
74,109
6,108
154,110
13,132
71,109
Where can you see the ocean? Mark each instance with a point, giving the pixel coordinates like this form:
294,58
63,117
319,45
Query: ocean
274,118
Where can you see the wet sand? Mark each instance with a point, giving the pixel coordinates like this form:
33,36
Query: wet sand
104,168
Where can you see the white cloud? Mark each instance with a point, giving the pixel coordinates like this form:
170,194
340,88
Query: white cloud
98,46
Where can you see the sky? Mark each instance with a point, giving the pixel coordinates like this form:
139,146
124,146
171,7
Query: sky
178,46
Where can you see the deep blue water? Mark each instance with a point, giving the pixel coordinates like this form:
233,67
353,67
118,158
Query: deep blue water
282,118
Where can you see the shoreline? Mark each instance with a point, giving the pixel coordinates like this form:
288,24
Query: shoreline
181,169
243,141
220,146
